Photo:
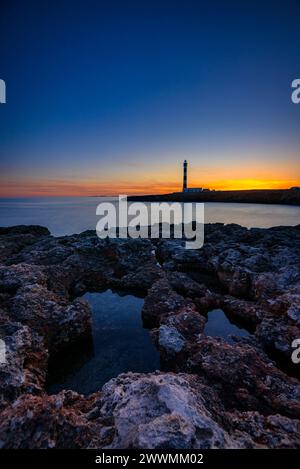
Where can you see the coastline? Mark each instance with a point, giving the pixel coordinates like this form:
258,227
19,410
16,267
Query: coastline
254,196
228,395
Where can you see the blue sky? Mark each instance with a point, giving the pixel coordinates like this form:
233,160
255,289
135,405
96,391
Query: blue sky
114,95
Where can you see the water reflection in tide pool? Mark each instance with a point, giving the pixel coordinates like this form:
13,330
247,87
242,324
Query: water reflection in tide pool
218,325
119,344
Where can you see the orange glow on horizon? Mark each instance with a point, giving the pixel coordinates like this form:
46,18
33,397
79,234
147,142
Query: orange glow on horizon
86,188
143,179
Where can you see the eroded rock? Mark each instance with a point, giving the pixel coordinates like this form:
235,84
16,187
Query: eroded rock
218,395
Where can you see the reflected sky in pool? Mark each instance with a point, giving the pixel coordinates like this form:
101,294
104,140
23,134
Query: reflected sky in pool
218,325
119,344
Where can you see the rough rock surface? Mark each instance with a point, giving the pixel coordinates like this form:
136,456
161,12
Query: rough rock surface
212,394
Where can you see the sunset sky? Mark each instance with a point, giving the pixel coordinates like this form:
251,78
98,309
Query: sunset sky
111,97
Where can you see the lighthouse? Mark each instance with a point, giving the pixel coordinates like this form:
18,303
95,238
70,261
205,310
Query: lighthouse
185,164
185,187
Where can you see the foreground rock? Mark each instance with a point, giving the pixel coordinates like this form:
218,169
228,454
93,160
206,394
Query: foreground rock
48,422
155,411
214,394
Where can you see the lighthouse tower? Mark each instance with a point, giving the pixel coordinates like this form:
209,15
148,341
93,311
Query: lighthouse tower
185,164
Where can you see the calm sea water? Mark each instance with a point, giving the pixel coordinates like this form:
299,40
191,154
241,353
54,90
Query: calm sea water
69,215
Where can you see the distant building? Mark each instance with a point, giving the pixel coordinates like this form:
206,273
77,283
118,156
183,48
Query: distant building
193,189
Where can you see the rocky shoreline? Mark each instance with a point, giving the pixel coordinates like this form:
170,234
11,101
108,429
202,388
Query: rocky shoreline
214,394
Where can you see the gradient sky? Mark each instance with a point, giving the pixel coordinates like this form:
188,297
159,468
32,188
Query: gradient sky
108,97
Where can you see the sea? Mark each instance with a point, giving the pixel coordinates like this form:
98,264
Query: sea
69,215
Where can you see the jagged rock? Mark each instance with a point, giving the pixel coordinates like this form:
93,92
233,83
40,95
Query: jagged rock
25,366
159,411
49,422
272,431
219,394
244,311
181,411
249,379
170,339
16,276
160,301
186,286
142,278
16,238
58,321
187,321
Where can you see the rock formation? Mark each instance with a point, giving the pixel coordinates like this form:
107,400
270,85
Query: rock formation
210,394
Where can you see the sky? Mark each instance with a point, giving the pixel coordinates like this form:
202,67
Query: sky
109,97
